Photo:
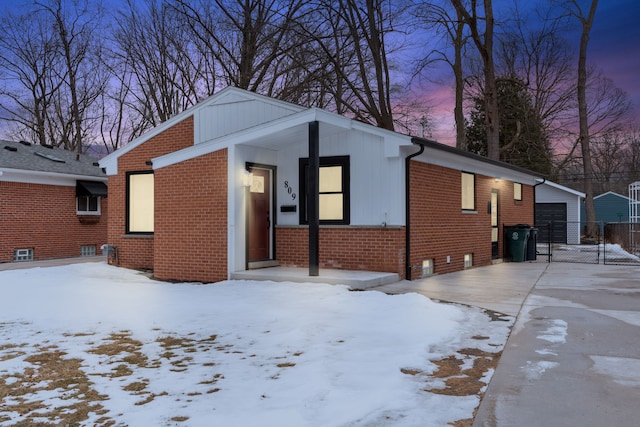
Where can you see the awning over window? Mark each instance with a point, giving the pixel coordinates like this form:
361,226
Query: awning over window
91,188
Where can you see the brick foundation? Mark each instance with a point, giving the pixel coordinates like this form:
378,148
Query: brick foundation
349,248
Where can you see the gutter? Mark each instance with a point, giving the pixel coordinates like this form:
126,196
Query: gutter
407,207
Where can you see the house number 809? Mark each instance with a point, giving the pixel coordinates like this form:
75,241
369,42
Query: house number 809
289,190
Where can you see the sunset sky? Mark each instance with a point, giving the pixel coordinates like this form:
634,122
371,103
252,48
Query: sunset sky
614,48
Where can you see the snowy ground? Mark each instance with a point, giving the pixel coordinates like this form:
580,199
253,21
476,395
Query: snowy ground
99,345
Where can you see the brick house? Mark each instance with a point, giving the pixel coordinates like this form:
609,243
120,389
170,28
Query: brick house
52,203
242,181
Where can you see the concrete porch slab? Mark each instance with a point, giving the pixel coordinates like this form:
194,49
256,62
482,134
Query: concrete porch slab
353,279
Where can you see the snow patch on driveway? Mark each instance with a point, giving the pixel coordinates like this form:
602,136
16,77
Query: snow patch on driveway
622,370
556,333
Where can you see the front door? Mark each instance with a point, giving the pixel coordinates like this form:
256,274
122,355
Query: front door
494,224
260,215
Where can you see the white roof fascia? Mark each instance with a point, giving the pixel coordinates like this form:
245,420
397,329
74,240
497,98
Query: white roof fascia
452,160
226,141
563,188
47,178
110,162
392,140
612,193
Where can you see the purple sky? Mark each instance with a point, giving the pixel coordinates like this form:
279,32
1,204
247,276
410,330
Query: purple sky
614,47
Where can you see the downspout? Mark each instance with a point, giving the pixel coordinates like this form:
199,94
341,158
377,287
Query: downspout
534,199
407,210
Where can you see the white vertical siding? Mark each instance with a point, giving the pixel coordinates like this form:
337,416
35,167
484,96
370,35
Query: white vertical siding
218,120
377,182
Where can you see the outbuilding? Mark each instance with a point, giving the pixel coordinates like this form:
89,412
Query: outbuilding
558,207
241,181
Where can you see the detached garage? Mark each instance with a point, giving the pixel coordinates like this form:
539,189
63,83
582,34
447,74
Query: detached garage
559,206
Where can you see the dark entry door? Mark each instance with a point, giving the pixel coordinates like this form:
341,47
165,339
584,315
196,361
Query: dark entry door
260,215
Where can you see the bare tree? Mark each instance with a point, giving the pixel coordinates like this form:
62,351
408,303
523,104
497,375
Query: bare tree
452,27
28,61
608,156
247,39
541,59
74,29
150,45
483,41
586,22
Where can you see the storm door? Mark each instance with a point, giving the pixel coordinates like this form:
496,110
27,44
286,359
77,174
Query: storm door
259,217
494,224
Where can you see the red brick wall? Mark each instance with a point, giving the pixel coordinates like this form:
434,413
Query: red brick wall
136,251
43,217
191,220
349,248
439,227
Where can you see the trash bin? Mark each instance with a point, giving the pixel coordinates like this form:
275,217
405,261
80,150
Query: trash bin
517,237
532,243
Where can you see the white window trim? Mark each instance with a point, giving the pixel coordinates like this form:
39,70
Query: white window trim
97,213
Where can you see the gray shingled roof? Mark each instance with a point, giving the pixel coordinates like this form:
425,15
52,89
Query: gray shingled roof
18,155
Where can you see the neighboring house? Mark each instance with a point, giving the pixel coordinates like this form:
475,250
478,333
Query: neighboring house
559,206
609,207
229,185
52,203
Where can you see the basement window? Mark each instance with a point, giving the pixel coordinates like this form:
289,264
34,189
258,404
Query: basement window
427,267
88,250
468,260
23,254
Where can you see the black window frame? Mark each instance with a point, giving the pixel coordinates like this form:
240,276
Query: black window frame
344,162
127,202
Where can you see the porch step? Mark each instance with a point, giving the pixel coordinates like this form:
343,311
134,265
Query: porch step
253,265
353,279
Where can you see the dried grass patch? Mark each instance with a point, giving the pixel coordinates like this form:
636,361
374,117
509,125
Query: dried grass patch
51,371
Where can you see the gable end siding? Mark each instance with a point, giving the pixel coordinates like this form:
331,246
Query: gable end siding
191,220
137,251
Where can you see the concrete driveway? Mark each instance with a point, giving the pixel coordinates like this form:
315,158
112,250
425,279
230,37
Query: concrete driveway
573,357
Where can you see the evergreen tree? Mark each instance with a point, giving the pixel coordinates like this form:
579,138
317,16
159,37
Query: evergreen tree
523,141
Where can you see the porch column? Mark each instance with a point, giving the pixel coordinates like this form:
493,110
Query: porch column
313,199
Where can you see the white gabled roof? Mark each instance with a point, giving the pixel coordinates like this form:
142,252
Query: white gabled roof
563,188
228,95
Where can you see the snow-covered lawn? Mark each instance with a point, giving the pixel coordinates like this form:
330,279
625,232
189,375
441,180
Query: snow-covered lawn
92,344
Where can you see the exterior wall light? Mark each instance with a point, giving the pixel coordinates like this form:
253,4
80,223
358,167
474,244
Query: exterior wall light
247,179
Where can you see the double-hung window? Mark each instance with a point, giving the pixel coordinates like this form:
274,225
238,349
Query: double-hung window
468,191
334,197
140,200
